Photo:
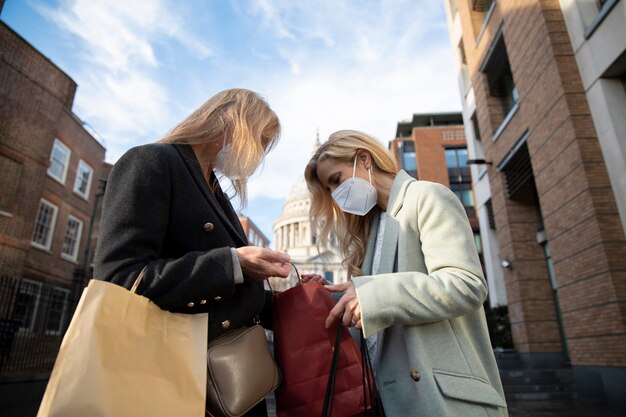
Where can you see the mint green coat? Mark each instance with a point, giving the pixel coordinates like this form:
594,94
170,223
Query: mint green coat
436,358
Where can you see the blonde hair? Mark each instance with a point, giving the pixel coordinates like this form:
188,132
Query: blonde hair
327,218
245,117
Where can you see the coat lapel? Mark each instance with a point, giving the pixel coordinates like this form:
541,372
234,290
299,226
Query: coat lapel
225,212
390,245
392,228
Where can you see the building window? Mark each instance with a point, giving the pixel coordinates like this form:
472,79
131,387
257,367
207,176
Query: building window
503,96
518,172
44,225
11,174
27,304
460,178
465,77
57,309
71,241
59,161
409,159
82,185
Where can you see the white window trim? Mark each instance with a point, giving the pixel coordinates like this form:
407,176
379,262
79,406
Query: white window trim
63,313
30,326
83,164
67,162
48,244
73,257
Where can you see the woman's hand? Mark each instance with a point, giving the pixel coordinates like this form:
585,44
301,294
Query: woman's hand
313,278
261,263
347,307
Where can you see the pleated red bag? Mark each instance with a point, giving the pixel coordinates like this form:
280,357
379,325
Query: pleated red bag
303,349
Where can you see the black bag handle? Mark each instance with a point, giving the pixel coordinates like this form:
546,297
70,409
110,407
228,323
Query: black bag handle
376,409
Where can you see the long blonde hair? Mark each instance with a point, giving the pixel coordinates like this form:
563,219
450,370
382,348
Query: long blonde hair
239,113
327,218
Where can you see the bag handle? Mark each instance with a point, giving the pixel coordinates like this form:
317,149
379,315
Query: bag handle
370,389
138,280
327,409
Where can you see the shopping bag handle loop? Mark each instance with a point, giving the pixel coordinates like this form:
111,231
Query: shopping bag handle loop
138,280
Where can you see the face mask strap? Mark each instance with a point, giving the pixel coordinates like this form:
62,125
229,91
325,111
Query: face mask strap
369,171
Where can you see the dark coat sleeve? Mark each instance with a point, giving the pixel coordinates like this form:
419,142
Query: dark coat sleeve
139,222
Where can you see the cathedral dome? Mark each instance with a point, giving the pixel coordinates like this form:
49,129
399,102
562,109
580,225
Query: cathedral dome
298,191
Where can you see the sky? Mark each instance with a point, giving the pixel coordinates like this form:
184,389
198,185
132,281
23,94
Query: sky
142,66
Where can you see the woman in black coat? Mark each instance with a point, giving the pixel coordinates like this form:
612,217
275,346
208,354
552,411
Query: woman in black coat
164,209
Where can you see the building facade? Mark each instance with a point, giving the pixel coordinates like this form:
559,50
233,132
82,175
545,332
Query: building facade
543,104
253,233
432,147
50,166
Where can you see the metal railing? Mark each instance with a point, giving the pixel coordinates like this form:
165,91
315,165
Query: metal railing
33,319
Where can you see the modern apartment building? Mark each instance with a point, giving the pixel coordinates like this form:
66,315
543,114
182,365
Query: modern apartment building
542,86
433,147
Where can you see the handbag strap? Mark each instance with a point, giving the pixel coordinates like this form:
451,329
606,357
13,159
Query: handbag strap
327,409
138,280
371,395
369,378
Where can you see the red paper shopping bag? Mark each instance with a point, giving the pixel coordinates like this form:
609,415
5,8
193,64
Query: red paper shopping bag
304,349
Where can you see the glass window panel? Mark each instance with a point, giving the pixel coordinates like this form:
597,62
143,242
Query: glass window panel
451,161
44,225
27,303
409,162
56,310
71,240
59,158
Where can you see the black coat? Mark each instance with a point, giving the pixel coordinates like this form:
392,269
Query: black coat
159,211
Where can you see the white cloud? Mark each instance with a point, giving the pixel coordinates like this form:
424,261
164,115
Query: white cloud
323,64
120,87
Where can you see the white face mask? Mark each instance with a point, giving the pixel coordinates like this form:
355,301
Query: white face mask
355,195
229,168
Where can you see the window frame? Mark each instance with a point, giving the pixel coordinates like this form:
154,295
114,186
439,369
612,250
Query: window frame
83,164
74,256
30,327
55,144
55,213
63,312
498,46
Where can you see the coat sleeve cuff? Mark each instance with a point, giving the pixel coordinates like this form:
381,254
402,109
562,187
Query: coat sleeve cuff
237,272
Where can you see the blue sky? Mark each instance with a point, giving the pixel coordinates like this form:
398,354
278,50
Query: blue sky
142,65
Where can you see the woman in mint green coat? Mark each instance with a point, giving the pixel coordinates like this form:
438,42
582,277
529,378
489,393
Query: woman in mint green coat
416,288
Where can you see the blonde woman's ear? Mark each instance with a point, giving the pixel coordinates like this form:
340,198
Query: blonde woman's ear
365,158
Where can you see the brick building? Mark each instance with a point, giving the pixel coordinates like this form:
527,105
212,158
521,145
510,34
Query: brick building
543,103
253,233
50,166
432,147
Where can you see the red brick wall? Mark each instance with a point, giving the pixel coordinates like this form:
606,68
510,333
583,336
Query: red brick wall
579,213
36,108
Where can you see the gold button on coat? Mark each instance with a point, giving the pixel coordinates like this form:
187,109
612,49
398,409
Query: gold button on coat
225,324
415,375
217,298
202,302
208,227
191,304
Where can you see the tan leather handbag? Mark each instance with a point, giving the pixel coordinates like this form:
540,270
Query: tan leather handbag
241,372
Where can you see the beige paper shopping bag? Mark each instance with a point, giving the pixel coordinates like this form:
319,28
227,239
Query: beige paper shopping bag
123,356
